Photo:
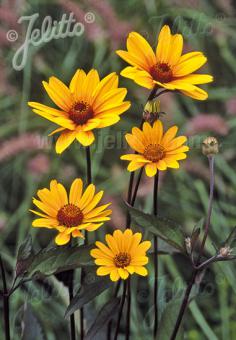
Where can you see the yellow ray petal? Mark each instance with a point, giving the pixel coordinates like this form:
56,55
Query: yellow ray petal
65,140
164,44
86,138
106,84
151,169
62,238
93,203
77,83
141,271
87,196
188,63
76,191
102,271
59,93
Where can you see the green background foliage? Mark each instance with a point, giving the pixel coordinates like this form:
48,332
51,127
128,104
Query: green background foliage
28,158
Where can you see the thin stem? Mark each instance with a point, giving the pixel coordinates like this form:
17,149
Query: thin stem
121,310
6,311
196,270
160,93
136,187
211,194
89,181
127,331
155,295
89,168
71,294
129,197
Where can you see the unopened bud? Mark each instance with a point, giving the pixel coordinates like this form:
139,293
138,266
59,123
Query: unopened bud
151,111
225,251
188,244
210,146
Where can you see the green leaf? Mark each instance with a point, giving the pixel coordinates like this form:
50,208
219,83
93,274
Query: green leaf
168,320
88,291
107,313
167,230
58,259
31,328
24,256
230,239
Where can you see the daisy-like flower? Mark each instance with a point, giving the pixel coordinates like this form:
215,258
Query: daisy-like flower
123,255
70,215
167,67
155,150
87,104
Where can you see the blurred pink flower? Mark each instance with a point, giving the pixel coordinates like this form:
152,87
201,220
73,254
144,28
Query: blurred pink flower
231,106
207,122
93,31
22,143
39,164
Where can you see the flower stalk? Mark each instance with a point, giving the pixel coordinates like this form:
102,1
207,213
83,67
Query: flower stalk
5,295
197,268
155,241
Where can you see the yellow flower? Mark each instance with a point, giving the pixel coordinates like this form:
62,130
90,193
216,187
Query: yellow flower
155,149
70,215
167,67
123,256
87,104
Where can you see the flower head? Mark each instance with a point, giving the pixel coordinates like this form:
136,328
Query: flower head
70,214
123,255
155,150
210,146
87,104
167,67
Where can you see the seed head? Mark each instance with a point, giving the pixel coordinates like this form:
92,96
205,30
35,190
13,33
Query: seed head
210,146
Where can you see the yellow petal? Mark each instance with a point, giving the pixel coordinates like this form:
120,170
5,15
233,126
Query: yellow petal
164,44
59,93
102,271
197,78
124,274
62,238
65,140
86,138
77,83
76,191
87,196
151,169
106,84
169,135
196,93
141,271
114,275
188,63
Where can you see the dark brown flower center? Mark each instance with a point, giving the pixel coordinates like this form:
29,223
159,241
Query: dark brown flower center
122,260
80,113
154,152
70,216
161,72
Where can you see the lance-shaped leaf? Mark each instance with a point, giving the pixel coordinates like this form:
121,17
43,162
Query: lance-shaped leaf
87,292
24,256
31,328
107,313
168,320
168,230
229,242
55,260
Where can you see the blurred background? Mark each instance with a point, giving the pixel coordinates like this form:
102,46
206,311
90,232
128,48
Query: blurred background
28,159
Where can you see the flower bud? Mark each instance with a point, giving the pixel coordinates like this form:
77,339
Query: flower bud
225,251
188,244
210,146
151,111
